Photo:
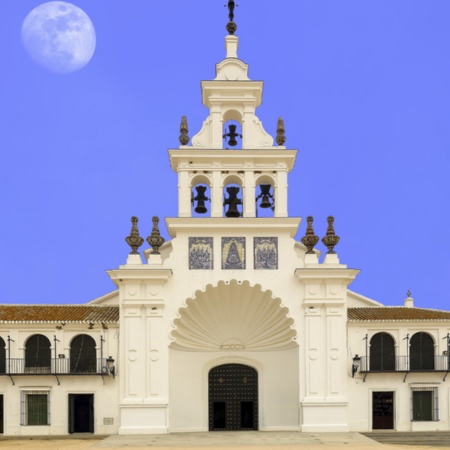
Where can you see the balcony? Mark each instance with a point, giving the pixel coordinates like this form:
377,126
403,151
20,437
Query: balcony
53,366
406,364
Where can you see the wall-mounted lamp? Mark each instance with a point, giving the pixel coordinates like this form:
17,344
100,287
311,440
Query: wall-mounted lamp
355,365
110,366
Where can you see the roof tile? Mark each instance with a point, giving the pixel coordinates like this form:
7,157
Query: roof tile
58,313
396,313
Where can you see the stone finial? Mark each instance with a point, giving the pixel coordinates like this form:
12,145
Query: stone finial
409,301
281,138
330,240
184,138
231,26
155,240
310,239
134,240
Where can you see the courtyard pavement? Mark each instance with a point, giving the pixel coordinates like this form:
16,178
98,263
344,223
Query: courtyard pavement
244,440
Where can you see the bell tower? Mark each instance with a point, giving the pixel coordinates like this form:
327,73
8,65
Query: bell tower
215,177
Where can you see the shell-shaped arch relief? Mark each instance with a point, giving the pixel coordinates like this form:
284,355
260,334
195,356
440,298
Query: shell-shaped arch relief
233,316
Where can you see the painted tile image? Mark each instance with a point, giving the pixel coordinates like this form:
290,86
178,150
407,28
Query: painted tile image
233,253
201,253
265,253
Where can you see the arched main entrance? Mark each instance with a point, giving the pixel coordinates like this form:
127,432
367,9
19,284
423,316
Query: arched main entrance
233,398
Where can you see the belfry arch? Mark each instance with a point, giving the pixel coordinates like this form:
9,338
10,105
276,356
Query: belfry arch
233,315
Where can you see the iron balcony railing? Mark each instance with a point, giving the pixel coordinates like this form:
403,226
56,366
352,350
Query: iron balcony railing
440,363
54,366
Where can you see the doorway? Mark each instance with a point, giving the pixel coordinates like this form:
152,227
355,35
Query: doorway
81,413
1,414
233,398
382,410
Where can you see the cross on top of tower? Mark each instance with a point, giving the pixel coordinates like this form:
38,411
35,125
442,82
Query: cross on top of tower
231,26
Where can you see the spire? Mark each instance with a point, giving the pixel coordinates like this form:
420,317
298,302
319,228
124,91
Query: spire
231,26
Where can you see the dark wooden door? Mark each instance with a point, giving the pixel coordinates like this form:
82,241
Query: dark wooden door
81,413
382,410
1,414
233,398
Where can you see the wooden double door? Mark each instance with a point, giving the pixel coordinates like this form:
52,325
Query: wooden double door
233,398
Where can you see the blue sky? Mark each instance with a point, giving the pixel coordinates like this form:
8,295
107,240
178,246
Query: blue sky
363,86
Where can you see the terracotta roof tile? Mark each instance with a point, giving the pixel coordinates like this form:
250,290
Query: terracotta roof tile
396,313
58,313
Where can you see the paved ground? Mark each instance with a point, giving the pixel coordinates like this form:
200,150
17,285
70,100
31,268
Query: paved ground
238,439
438,439
258,440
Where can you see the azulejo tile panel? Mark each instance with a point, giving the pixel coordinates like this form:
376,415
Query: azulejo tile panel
201,253
265,253
233,253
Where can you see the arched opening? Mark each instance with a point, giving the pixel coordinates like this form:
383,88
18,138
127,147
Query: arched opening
2,356
232,129
265,196
83,355
233,398
37,354
232,197
421,352
201,195
382,352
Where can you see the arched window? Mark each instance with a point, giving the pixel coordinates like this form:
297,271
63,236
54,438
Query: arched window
421,352
382,352
2,356
83,355
37,354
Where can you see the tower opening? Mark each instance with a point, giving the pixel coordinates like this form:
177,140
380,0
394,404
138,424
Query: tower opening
232,135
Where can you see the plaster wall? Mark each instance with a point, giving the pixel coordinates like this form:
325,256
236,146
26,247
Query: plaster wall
277,382
360,391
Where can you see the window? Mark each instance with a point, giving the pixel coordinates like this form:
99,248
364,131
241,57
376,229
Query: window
421,352
83,355
37,354
2,356
425,404
35,408
382,352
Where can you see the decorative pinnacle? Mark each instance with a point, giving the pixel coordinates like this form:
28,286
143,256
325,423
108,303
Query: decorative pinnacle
155,240
330,240
281,138
134,240
184,138
231,26
310,239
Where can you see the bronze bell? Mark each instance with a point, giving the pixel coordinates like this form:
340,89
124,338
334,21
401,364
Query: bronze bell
232,201
232,135
200,198
266,196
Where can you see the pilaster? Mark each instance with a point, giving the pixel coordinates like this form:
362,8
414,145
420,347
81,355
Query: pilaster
143,354
324,400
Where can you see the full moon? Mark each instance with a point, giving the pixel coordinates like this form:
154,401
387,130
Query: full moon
59,36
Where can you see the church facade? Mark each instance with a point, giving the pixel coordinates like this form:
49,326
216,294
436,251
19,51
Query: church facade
231,324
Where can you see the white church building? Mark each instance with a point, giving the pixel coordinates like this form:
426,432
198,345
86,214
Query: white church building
231,324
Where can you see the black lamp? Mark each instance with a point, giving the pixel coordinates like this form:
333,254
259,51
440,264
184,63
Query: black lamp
110,366
355,365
